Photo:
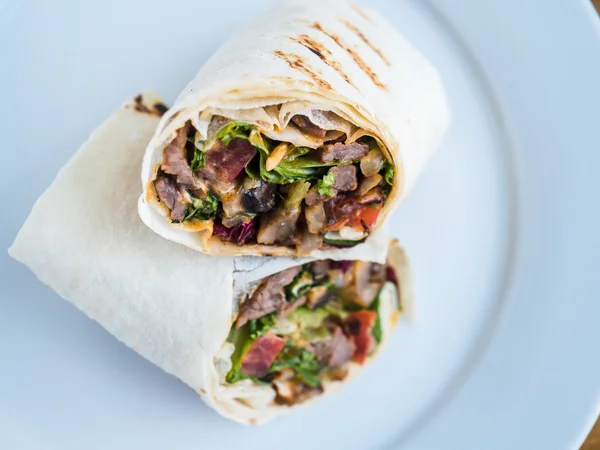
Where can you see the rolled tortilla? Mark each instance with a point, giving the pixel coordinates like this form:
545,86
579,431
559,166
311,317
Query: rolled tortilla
321,76
173,306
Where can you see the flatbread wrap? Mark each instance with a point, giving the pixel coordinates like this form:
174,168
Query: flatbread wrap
295,138
207,320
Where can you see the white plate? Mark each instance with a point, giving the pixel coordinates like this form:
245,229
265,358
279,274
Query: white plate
503,230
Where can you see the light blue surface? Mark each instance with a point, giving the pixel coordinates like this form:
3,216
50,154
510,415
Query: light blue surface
502,230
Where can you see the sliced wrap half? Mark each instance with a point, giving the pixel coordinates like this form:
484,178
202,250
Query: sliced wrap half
300,135
196,316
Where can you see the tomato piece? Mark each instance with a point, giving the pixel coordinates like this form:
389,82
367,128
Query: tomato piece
357,217
360,324
365,217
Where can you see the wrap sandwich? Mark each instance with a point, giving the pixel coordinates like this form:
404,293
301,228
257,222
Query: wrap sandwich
300,134
254,337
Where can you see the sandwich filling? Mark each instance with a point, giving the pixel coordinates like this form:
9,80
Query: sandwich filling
303,327
259,189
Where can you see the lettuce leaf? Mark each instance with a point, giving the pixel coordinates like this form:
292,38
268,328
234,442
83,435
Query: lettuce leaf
298,172
325,186
376,331
242,339
298,165
388,173
234,130
296,152
226,134
292,169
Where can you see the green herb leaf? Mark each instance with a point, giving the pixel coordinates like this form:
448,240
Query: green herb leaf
309,378
203,209
301,361
198,160
259,327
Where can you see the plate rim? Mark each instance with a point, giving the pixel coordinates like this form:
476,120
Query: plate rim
590,415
